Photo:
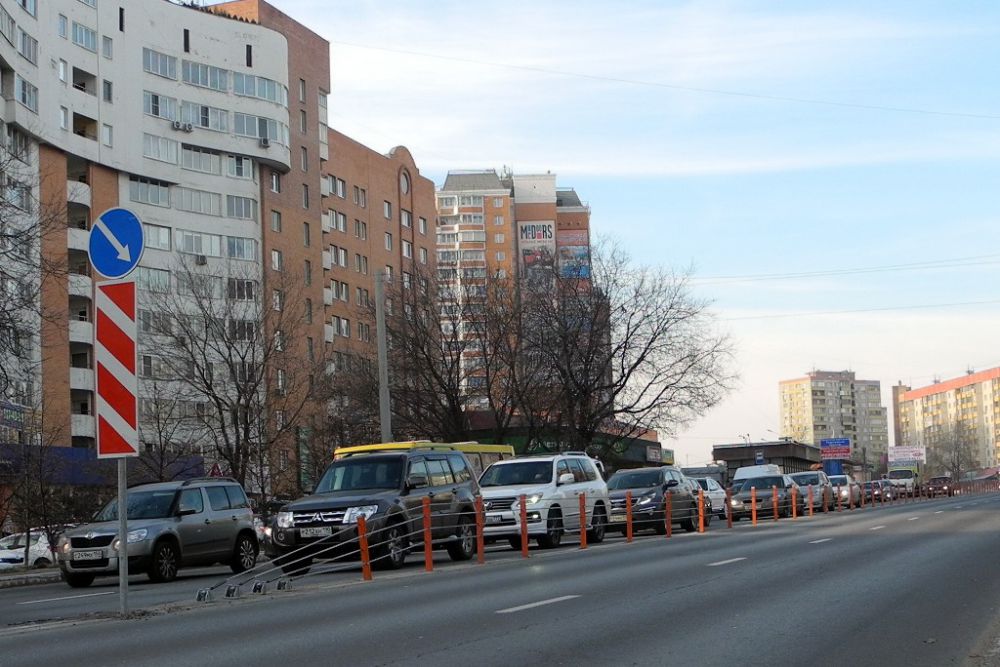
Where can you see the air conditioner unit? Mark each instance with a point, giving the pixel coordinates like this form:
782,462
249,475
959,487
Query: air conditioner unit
177,125
188,127
264,142
201,260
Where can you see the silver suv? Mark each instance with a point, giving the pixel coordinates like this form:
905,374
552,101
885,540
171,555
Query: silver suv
170,525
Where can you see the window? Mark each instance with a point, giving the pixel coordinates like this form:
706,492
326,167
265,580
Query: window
107,90
239,247
241,290
407,249
85,37
302,122
501,256
473,200
64,118
387,210
309,311
241,207
248,85
472,218
157,105
498,202
275,221
63,70
200,159
26,93
238,166
121,19
28,6
360,229
202,115
306,239
498,221
159,148
246,125
107,47
237,499
388,273
307,274
197,201
191,500
362,197
310,349
305,196
217,498
249,55
388,241
340,187
27,46
422,225
302,90
148,191
63,26
276,260
340,221
275,181
304,158
407,280
364,332
158,63
439,474
423,255
207,76
153,280
405,218
498,238
277,300
196,243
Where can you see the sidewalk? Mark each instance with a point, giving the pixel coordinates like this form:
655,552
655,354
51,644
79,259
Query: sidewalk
18,577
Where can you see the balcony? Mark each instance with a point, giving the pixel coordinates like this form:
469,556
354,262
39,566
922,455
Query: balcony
77,239
81,378
78,193
80,285
83,426
327,260
328,333
81,332
327,296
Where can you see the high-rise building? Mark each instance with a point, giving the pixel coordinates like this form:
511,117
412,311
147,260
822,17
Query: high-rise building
826,404
965,409
210,123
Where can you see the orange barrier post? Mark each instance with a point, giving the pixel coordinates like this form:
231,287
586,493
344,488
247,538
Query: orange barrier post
826,505
774,501
480,539
366,563
701,510
753,505
850,498
524,526
810,500
862,497
795,505
428,540
838,498
729,508
670,512
583,520
628,516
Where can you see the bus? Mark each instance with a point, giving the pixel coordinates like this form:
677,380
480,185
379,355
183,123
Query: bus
480,455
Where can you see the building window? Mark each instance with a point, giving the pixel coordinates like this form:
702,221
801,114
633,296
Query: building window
239,247
307,272
387,210
407,249
108,91
64,118
360,229
149,191
156,237
27,46
275,181
275,221
200,159
159,148
63,70
158,63
276,260
305,158
498,220
422,225
244,208
302,90
107,47
405,218
63,26
202,115
157,105
303,126
238,166
198,201
309,311
498,238
249,60
305,196
340,187
84,37
206,76
248,85
423,255
26,93
153,280
277,300
388,241
306,238
501,256
195,243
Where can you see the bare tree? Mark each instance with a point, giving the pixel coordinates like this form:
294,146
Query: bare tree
952,451
169,422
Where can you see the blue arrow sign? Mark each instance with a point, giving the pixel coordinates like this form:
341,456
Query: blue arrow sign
116,243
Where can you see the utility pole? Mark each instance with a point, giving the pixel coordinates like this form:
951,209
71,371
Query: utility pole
384,414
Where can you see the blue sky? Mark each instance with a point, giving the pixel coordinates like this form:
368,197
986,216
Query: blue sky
728,184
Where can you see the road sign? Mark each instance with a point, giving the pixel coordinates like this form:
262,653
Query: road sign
116,243
835,448
216,470
115,353
758,457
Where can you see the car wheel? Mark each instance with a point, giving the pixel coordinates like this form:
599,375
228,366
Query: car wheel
464,547
43,562
166,559
553,531
244,554
293,564
691,523
515,543
78,580
660,525
599,525
391,553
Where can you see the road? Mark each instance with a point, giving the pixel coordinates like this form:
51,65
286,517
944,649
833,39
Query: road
912,584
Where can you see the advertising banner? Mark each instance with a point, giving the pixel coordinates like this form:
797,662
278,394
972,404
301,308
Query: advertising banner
537,246
835,448
907,455
574,253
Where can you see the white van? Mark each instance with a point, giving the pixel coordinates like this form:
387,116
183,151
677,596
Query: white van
763,470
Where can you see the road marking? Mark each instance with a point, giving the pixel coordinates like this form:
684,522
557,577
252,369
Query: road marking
958,507
939,512
876,528
725,562
913,518
825,539
70,597
541,603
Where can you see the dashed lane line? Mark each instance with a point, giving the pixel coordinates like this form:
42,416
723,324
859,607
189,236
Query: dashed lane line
540,603
726,562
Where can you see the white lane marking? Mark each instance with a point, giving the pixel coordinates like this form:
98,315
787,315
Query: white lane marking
725,562
939,512
876,528
958,507
70,597
825,539
913,518
511,610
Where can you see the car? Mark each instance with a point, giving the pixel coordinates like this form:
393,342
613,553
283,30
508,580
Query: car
820,484
172,525
387,489
696,492
39,552
648,486
847,488
940,486
741,500
551,486
715,493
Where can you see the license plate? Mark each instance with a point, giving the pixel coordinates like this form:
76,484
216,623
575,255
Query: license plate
87,555
617,518
493,518
322,531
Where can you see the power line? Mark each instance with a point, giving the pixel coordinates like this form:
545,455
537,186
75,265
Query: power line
673,86
954,304
976,260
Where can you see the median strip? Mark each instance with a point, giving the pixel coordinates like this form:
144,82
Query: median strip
540,603
725,562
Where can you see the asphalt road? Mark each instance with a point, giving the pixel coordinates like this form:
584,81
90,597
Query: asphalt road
913,584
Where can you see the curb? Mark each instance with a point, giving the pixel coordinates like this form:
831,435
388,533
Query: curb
29,579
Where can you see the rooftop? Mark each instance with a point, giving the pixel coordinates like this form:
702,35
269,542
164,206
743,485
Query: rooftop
468,180
567,197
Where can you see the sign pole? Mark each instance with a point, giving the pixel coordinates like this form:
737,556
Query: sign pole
123,539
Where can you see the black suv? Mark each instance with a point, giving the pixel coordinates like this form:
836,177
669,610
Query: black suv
388,490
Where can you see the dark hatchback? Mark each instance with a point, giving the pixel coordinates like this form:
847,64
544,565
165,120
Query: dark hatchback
648,486
388,490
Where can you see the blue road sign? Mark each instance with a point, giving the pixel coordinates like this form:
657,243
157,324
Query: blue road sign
758,457
116,243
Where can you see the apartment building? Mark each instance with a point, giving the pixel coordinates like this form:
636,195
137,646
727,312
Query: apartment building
826,404
965,409
210,123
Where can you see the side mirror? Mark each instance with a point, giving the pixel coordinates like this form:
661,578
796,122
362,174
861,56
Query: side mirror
186,511
671,484
566,478
416,481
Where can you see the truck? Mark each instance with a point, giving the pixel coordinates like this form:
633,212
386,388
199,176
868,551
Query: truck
904,478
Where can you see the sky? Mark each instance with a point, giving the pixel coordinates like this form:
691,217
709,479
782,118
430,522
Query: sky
828,171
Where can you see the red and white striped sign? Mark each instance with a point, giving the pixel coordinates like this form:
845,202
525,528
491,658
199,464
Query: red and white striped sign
117,387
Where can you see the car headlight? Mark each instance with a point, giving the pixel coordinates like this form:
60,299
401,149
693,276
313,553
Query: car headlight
63,544
267,531
646,499
945,487
285,520
528,500
352,513
736,502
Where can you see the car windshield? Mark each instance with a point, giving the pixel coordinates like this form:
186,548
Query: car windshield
520,472
635,479
900,474
703,483
141,505
763,483
838,480
939,480
736,486
806,479
361,473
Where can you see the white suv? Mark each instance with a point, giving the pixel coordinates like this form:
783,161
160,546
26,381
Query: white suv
552,486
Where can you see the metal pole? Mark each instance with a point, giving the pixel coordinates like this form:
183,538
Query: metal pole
385,416
122,537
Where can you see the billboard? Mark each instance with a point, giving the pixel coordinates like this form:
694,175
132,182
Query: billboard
835,448
907,455
536,243
574,253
